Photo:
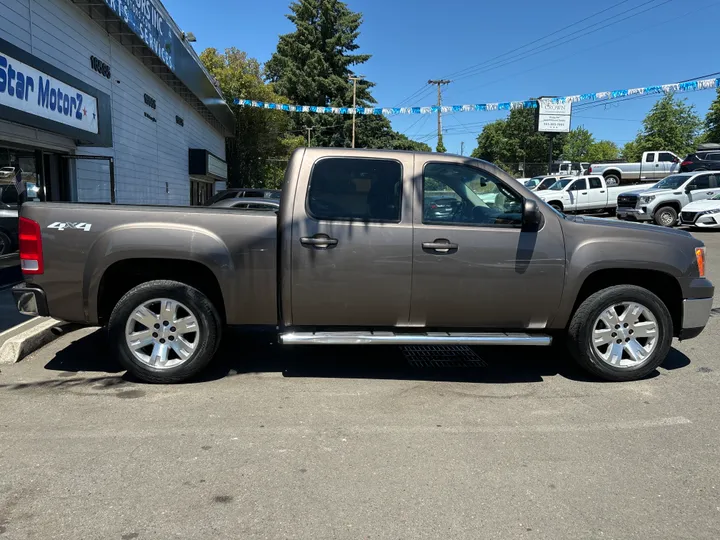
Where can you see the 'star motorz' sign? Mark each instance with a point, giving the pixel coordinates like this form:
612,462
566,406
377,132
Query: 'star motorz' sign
27,89
147,22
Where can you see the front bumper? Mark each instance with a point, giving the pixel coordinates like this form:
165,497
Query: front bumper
633,214
696,313
30,300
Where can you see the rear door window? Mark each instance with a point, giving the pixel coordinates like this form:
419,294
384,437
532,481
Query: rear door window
351,189
595,182
650,157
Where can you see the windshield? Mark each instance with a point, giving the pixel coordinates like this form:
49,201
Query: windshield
671,182
557,186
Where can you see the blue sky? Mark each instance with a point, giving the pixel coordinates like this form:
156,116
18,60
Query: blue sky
653,42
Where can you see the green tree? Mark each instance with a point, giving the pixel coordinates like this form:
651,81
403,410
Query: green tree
600,151
514,140
577,145
440,145
671,125
712,121
312,66
263,139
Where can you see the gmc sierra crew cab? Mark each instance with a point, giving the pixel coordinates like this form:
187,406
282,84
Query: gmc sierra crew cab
356,256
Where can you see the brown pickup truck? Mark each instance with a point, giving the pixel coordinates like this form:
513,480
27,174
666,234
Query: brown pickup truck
368,247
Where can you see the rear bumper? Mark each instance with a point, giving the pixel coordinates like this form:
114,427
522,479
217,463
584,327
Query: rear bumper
30,300
696,313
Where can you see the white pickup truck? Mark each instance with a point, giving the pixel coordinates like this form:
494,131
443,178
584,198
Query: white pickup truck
654,166
585,194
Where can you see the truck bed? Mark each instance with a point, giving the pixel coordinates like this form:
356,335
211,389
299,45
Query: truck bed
88,246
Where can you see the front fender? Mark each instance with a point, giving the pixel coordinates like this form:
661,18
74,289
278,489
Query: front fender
617,249
154,241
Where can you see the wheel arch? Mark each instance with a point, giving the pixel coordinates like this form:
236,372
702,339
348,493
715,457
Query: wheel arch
661,284
125,274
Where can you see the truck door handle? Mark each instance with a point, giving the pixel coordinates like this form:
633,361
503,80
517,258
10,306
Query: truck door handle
584,193
319,241
603,191
441,245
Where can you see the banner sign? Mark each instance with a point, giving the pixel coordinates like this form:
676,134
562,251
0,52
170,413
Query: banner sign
29,90
147,21
672,88
554,116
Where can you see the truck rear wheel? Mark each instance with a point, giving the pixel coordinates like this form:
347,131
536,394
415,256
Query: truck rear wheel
665,216
622,333
164,331
612,179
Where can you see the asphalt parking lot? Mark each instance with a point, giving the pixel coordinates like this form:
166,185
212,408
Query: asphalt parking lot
357,443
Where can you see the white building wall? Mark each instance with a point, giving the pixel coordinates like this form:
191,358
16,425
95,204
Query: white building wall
151,158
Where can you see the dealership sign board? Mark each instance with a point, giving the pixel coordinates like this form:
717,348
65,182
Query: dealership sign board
147,21
554,116
32,91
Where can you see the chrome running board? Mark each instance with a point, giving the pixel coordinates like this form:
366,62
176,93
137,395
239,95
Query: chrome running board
426,338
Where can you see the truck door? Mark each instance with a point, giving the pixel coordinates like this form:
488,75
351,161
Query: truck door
668,164
650,167
351,248
703,187
598,193
579,195
476,268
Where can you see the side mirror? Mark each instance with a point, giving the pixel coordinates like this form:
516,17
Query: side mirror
691,187
676,160
532,217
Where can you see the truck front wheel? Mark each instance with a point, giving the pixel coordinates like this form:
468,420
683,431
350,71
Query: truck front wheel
164,331
665,216
622,333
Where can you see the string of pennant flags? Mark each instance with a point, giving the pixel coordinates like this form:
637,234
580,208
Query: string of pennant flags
682,87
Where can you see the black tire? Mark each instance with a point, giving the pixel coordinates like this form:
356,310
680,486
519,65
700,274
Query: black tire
557,206
582,326
208,322
611,211
665,216
612,180
5,244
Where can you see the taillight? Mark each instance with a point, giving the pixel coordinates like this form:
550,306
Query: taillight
589,171
700,257
686,163
30,240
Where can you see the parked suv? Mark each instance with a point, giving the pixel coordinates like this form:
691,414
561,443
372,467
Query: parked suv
244,192
663,202
706,158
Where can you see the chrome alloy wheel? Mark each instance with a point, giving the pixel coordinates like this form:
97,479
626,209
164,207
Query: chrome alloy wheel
162,333
666,218
625,335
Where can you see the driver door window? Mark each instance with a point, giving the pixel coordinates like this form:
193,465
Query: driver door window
460,195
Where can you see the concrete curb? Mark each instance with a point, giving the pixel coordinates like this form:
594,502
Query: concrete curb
26,338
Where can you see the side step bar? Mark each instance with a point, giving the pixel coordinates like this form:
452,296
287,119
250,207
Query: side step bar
427,338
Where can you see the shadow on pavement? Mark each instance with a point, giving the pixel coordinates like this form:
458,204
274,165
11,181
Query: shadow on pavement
242,353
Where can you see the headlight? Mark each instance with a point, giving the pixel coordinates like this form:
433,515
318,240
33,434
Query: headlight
645,199
713,211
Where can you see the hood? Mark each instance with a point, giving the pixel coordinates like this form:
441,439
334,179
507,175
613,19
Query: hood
602,223
656,192
701,206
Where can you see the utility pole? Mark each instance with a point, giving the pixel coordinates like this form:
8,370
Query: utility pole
354,80
439,83
309,129
462,148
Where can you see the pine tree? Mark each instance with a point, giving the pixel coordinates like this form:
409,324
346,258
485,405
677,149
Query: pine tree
312,66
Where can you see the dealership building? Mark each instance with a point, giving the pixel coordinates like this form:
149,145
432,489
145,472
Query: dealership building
106,101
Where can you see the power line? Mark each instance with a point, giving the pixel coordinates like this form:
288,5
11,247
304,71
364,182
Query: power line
634,35
563,40
460,72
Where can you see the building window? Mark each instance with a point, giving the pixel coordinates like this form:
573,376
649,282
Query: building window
200,192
